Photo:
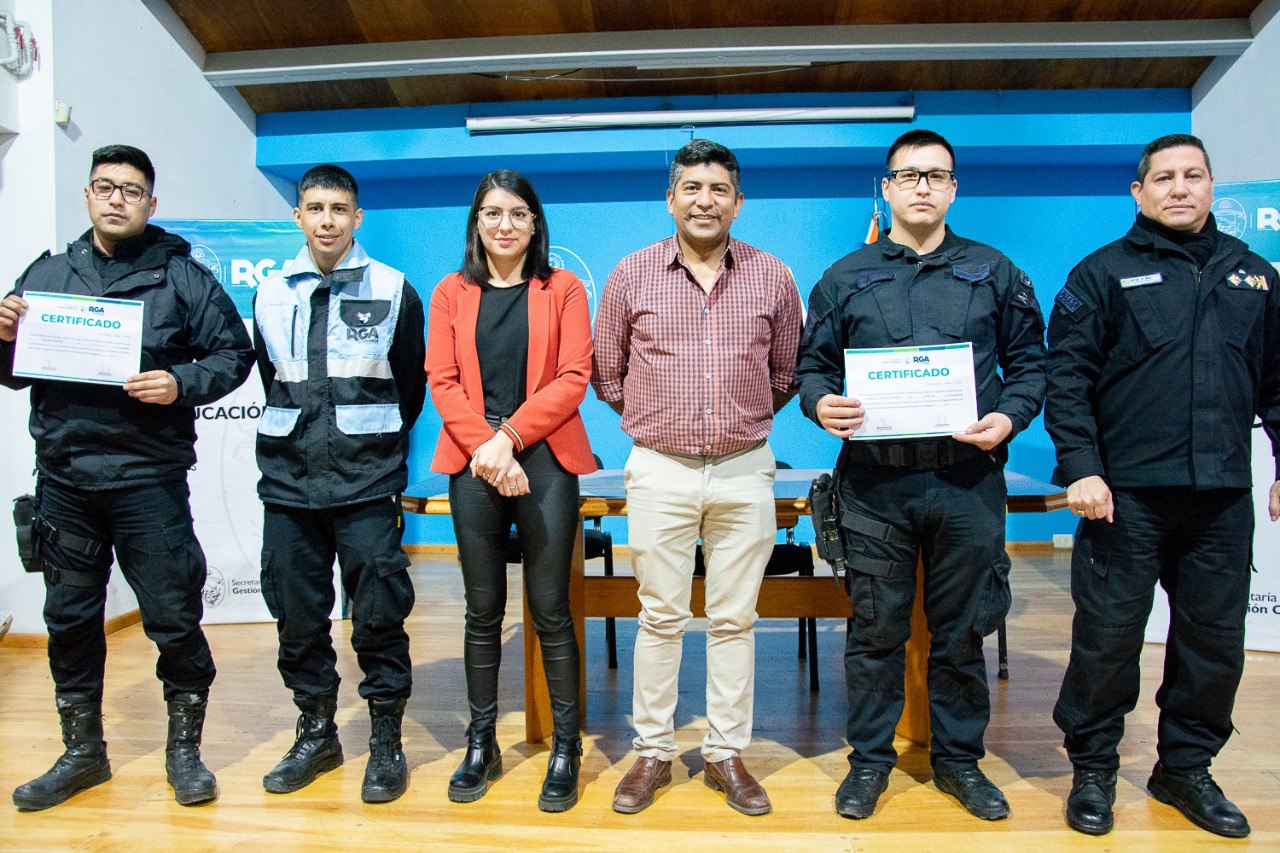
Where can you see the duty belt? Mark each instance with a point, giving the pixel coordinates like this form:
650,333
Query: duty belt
920,455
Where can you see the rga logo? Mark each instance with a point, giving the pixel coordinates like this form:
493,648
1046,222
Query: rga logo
249,274
1231,216
97,309
919,359
368,333
567,259
244,272
215,588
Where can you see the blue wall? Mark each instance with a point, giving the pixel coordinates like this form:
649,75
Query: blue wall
1044,176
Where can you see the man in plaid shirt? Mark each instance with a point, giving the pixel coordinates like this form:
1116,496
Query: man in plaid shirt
695,346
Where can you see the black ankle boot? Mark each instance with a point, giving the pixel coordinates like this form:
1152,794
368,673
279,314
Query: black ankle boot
316,749
192,782
480,766
386,776
560,788
83,764
1089,805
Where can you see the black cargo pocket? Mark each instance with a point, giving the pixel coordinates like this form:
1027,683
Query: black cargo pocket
1239,310
384,595
1152,334
996,600
269,594
862,578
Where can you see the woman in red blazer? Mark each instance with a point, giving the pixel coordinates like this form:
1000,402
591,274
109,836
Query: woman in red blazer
508,361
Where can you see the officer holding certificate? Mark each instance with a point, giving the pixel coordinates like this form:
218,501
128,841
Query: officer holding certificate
112,462
939,499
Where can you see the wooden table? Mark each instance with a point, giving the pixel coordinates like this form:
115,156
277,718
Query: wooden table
603,493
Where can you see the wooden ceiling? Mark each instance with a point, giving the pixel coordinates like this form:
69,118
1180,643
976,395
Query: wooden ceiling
240,25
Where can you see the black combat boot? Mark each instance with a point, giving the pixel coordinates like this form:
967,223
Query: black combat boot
316,750
192,782
83,764
480,766
560,788
387,774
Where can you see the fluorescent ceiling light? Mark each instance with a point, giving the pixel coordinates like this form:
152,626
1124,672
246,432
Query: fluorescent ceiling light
681,118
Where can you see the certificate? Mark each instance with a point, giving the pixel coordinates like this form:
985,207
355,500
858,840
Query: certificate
912,392
78,338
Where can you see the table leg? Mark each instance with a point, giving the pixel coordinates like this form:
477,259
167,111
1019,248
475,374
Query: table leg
537,702
914,725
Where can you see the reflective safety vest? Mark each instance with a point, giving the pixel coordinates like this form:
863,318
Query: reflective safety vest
331,432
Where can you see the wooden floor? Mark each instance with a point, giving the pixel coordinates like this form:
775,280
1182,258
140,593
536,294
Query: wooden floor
798,752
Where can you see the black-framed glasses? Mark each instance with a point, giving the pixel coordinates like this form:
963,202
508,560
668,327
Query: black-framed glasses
105,189
906,179
521,218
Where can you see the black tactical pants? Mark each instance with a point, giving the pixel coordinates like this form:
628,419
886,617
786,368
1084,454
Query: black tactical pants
546,521
952,520
298,549
1197,546
149,528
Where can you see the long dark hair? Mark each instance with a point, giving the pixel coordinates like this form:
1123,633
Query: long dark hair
537,263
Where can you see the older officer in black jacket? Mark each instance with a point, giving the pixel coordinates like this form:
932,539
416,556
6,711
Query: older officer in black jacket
112,465
943,499
1164,345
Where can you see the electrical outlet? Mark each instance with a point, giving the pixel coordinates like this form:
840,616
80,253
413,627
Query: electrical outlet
1063,540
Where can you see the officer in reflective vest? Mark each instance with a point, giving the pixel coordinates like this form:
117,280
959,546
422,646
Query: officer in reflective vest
339,342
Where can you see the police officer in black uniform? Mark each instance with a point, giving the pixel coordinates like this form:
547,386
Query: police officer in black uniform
112,473
940,499
340,346
1164,345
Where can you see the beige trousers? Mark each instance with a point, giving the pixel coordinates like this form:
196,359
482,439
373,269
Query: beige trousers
672,501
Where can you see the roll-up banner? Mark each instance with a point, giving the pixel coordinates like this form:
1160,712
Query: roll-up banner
224,496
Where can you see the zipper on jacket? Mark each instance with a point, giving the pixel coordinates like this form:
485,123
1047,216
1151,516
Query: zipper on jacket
293,334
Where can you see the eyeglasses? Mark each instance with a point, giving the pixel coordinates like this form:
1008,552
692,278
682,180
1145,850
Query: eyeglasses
105,189
906,179
521,218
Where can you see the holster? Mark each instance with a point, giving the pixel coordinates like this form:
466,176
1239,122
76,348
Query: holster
33,533
824,510
24,525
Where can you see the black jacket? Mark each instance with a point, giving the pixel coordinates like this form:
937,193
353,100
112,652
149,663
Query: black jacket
97,436
1156,368
886,295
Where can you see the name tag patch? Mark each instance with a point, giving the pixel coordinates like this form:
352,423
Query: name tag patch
1141,280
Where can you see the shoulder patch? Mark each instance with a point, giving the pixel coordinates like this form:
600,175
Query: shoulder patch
1026,295
973,273
1068,301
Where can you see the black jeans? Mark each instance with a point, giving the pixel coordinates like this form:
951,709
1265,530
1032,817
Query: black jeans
546,521
150,530
953,519
1197,546
298,549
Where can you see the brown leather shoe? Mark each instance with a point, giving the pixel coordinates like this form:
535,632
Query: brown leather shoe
742,791
635,792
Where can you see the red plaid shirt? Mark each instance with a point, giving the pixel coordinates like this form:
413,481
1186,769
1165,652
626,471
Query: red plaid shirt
697,371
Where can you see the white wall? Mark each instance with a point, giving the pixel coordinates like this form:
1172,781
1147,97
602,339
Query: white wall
148,92
145,90
1236,109
26,199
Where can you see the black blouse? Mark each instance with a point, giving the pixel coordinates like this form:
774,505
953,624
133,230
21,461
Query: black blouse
502,344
